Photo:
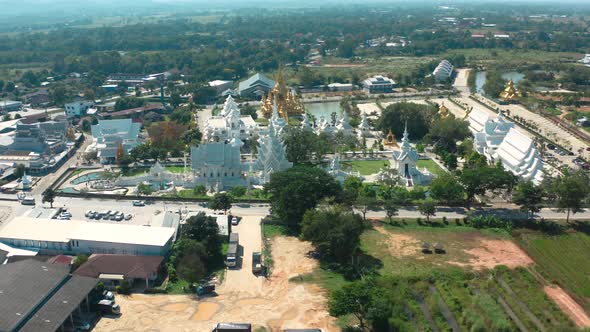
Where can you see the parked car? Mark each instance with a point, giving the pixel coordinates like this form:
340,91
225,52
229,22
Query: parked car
205,289
128,216
119,217
109,307
82,325
234,221
108,295
138,203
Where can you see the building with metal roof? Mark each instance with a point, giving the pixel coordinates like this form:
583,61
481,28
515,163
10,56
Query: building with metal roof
256,86
36,296
52,236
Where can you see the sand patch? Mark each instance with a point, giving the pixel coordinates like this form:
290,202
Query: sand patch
175,307
205,310
400,245
570,307
489,253
253,301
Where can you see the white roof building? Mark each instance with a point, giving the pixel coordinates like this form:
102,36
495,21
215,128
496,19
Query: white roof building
404,162
109,134
82,237
443,71
518,154
586,60
230,123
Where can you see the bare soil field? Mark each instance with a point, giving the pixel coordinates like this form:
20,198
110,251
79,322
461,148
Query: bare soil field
570,307
465,249
279,304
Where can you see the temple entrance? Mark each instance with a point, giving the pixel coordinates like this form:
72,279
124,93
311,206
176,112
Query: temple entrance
406,170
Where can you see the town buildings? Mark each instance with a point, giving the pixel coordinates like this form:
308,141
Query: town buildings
378,84
109,136
78,108
10,106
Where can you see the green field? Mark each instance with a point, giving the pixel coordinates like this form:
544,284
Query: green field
512,58
562,259
431,166
367,167
429,292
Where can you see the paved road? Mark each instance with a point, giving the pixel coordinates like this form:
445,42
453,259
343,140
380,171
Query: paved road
241,279
461,81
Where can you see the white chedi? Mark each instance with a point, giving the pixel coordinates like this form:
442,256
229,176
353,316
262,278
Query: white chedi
271,155
364,130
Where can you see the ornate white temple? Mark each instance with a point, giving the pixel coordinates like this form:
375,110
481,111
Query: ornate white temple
404,161
271,156
499,140
364,130
230,123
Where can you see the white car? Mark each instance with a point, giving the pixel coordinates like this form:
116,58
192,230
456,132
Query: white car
128,216
234,221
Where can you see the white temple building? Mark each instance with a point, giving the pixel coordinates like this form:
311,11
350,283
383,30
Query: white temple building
218,165
443,71
518,154
404,162
499,140
271,156
364,130
230,123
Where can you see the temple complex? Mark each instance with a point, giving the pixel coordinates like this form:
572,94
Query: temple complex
510,93
285,100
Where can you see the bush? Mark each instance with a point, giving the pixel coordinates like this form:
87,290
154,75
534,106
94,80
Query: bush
124,288
155,291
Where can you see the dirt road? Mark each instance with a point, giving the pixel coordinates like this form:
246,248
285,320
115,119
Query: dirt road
275,303
570,307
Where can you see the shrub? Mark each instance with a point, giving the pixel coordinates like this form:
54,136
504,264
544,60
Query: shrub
124,288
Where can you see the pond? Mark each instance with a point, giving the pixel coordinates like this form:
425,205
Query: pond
90,177
480,79
323,109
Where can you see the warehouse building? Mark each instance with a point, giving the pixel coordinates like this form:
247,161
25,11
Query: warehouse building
54,237
37,296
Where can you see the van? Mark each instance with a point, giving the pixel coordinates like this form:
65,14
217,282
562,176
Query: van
109,307
233,327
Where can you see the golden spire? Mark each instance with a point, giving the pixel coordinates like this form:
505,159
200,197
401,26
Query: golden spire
509,92
443,111
390,139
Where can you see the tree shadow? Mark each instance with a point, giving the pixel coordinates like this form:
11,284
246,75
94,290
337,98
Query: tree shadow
581,226
359,266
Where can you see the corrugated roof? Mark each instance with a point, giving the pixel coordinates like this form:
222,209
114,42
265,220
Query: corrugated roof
126,265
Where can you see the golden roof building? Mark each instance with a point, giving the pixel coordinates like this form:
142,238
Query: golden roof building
510,92
286,101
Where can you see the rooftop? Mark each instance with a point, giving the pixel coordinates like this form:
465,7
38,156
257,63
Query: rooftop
65,230
126,265
36,296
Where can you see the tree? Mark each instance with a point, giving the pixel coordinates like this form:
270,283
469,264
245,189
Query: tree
19,171
85,126
49,197
351,299
58,94
79,260
446,189
364,204
300,145
445,133
191,268
391,209
249,110
529,197
427,208
221,201
9,87
238,191
450,160
569,191
477,181
417,117
144,189
167,135
334,232
204,229
182,115
298,189
126,103
352,186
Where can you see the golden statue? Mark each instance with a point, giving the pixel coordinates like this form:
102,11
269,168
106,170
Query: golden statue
286,101
467,112
390,139
510,92
443,111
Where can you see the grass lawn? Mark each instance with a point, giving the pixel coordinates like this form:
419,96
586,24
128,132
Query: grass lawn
176,169
562,259
134,171
189,193
367,167
431,166
513,58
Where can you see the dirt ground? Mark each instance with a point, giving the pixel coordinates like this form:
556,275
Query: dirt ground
570,307
277,304
463,249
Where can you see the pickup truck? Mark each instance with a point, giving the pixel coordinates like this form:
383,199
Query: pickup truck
256,262
109,307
